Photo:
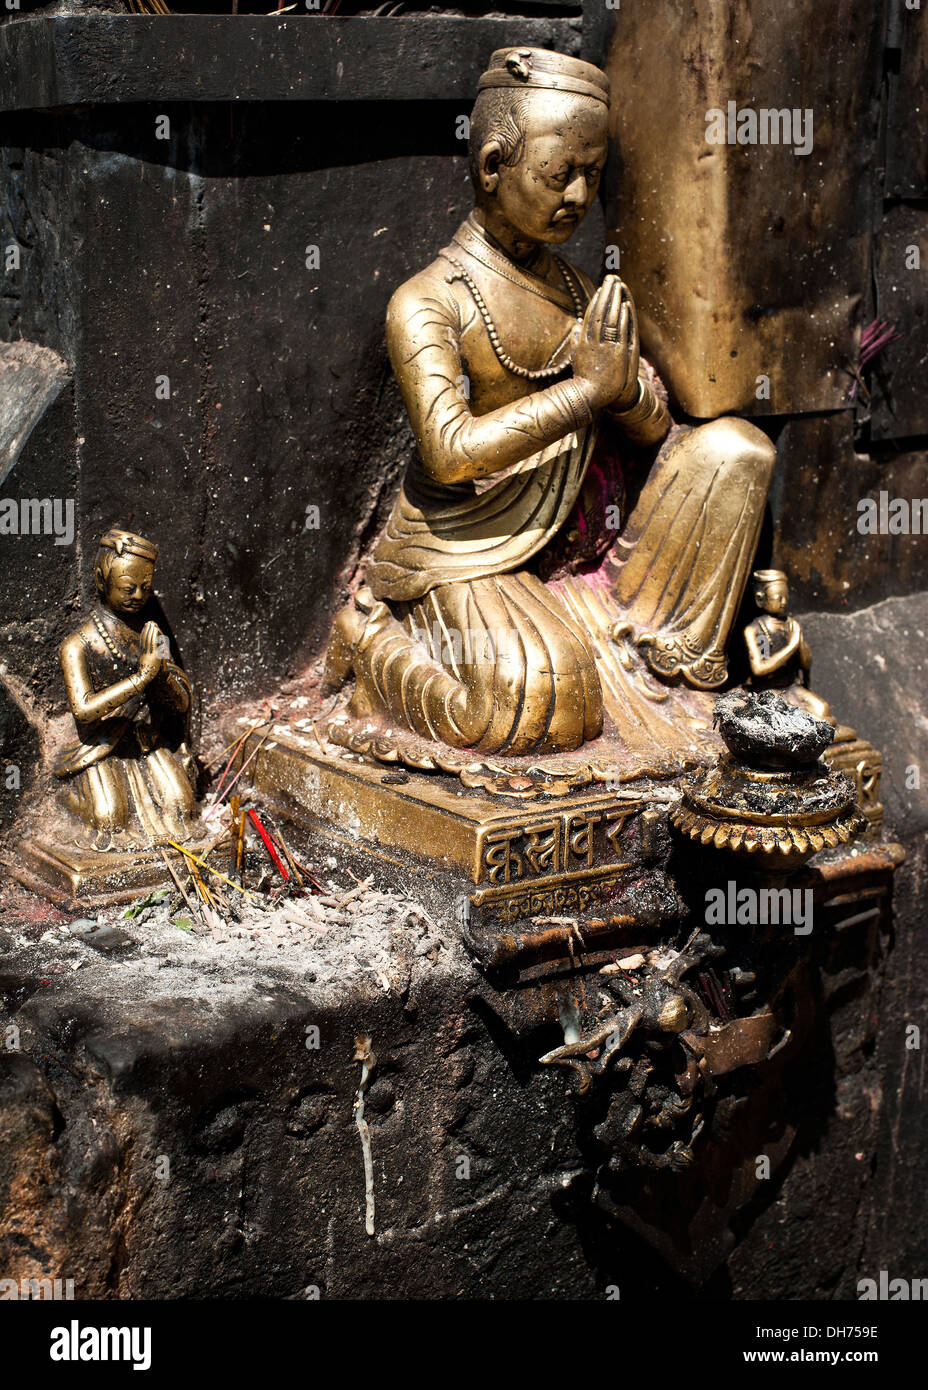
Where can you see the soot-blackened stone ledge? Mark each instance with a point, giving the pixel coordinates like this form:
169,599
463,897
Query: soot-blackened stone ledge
73,61
174,1129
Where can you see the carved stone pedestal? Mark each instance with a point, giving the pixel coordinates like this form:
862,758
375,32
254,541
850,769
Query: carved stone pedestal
513,851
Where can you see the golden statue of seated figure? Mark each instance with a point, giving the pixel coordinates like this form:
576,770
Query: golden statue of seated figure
129,779
555,566
778,653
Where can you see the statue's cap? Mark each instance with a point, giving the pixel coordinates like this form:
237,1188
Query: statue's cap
127,543
768,576
538,69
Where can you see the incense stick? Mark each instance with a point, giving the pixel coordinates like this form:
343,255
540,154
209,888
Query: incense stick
216,804
269,846
288,856
203,864
180,887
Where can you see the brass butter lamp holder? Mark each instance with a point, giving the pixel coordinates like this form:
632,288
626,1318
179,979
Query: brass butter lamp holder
771,799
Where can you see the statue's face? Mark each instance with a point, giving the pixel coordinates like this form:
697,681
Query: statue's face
548,193
128,587
775,598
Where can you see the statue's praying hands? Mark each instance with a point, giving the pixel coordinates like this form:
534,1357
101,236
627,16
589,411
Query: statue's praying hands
153,650
606,357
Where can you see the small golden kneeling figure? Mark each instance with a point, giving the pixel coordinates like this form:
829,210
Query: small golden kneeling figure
130,777
777,651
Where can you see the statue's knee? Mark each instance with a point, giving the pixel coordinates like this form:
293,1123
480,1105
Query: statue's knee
732,440
349,624
469,709
109,806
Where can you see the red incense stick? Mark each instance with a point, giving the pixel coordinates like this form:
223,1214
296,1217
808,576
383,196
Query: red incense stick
269,846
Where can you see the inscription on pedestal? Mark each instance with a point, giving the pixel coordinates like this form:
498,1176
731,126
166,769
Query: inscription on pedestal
556,862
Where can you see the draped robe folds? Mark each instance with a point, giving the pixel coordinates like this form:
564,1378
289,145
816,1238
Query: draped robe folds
130,775
465,643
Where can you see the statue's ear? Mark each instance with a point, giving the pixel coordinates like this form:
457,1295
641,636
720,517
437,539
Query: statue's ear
98,580
490,156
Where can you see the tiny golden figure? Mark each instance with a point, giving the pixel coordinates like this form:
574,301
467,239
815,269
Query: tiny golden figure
130,777
777,651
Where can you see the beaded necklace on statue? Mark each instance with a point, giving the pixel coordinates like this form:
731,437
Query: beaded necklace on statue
491,258
108,641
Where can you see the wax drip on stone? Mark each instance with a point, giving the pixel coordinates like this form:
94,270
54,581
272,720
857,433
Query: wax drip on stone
364,1054
569,1017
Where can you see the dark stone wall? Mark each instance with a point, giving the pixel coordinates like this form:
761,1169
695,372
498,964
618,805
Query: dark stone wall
853,1204
823,474
39,579
193,266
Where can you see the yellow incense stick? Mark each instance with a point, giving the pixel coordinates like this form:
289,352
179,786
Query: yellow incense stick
203,864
